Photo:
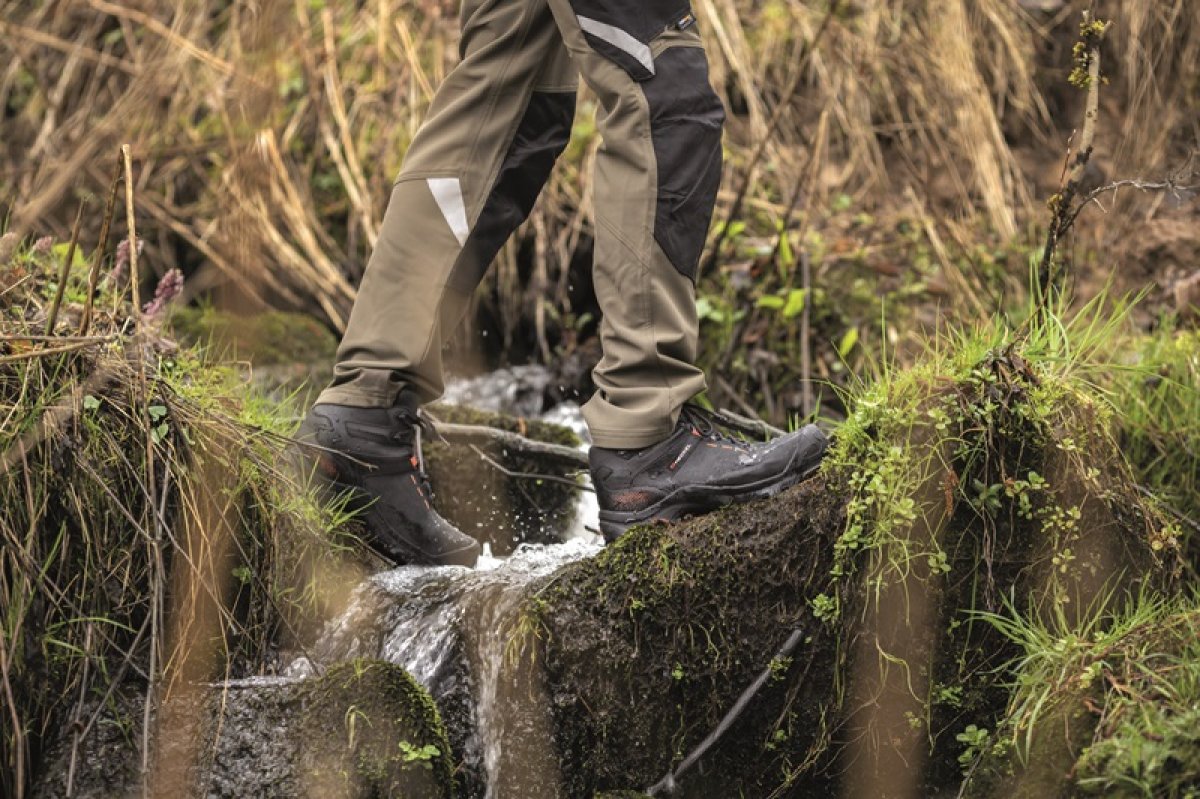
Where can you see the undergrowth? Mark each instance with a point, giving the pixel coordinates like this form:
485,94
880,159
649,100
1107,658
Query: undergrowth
988,473
153,532
1110,703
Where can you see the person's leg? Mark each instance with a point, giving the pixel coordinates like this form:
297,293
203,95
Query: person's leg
657,175
656,179
471,176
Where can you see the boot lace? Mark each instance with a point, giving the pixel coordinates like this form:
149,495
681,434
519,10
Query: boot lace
707,424
420,425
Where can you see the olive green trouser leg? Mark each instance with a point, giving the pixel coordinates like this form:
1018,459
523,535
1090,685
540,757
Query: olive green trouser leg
478,163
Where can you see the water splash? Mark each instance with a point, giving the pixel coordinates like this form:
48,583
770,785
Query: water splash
457,631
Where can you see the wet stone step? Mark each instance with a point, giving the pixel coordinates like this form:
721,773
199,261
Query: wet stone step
363,728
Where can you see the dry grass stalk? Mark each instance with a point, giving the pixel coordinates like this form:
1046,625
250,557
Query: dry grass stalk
269,134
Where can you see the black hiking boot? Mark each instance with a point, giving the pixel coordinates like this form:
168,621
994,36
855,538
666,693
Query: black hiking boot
696,470
374,456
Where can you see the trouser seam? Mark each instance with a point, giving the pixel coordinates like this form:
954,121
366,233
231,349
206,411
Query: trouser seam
493,101
436,333
649,241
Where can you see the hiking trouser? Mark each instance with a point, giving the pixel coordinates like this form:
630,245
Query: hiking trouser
477,164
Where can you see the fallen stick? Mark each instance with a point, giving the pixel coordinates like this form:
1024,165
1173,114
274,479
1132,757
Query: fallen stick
31,354
555,454
747,425
553,478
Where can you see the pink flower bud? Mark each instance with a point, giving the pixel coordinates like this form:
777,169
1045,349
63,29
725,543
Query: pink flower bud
168,289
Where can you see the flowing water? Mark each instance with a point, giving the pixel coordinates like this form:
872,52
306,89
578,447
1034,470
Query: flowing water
458,632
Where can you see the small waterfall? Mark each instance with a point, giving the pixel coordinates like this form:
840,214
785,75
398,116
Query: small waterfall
457,631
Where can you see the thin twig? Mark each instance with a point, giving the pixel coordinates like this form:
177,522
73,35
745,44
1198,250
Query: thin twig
806,393
760,149
751,426
76,724
57,339
110,208
18,737
667,784
807,170
556,454
1169,186
27,356
139,405
64,271
1178,514
1061,203
553,478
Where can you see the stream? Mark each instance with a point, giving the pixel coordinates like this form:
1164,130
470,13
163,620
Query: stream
457,630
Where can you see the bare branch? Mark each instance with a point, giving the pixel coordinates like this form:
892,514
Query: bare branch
553,478
1087,73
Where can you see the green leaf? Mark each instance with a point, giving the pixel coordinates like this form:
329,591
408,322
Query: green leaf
90,403
708,311
787,256
772,301
157,412
795,303
848,342
60,253
160,432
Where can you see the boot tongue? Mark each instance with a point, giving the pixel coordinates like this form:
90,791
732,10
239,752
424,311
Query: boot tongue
407,400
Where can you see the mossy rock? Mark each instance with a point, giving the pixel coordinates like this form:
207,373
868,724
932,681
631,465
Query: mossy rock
288,352
363,730
946,497
650,642
370,730
488,504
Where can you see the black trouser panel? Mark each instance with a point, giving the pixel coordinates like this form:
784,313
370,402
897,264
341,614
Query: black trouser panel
686,118
541,137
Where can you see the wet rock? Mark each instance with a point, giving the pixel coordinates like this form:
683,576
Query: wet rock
453,630
362,729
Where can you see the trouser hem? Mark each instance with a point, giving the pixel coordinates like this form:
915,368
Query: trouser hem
341,395
630,439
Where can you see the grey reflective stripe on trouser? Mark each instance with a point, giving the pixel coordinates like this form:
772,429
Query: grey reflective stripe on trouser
619,39
448,193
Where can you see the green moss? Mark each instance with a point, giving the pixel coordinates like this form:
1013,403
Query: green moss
371,731
972,483
265,338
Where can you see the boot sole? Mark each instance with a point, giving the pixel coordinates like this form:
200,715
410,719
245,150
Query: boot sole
700,499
